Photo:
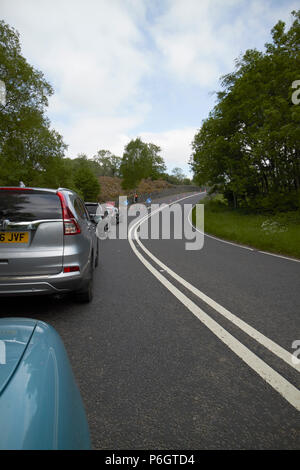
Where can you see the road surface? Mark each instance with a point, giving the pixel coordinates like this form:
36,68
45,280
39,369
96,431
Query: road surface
198,361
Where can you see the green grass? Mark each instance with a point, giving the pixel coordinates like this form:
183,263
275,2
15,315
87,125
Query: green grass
279,233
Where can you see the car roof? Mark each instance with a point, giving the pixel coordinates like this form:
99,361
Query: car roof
45,190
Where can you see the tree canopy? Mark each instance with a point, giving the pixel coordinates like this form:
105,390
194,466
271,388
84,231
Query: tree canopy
29,149
140,160
249,146
109,164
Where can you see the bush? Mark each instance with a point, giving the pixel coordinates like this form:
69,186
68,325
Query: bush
276,202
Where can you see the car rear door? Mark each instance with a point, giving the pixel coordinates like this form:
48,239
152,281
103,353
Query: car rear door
31,232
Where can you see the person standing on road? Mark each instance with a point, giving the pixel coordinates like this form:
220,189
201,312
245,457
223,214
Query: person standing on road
135,198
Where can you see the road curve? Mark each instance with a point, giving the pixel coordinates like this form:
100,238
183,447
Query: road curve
152,375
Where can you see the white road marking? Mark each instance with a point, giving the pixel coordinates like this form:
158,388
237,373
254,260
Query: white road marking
273,378
249,330
279,256
228,243
216,238
240,246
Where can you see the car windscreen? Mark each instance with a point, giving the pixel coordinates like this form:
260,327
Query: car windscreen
91,208
19,206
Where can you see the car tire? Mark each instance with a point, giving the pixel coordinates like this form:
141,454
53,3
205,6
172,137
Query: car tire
86,295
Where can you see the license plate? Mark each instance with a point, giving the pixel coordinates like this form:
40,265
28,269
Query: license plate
14,237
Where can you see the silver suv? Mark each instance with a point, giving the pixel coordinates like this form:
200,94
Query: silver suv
48,243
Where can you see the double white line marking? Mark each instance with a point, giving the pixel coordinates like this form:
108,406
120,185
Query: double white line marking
273,378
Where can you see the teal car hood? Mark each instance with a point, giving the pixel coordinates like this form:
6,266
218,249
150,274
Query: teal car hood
15,335
40,403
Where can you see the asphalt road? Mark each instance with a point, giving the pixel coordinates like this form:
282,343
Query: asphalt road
153,375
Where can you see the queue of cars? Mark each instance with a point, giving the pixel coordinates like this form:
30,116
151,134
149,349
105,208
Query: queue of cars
48,245
48,241
107,210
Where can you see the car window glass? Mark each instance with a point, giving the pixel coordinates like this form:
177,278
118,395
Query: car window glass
91,208
19,206
80,209
86,213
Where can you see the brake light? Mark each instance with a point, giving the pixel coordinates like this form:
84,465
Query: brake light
71,269
71,226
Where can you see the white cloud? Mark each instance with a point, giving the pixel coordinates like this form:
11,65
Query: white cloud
90,51
175,145
199,40
101,56
91,134
189,39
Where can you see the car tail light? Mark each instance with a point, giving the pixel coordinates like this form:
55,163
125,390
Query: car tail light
71,226
71,269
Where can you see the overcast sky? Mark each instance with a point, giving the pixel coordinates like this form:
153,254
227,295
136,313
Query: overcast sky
127,68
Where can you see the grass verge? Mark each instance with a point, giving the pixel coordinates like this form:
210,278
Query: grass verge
276,233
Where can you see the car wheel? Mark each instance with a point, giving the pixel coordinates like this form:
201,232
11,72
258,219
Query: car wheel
86,295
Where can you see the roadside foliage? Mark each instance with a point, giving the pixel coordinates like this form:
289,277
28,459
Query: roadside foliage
248,148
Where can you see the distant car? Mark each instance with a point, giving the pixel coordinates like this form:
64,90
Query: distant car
48,243
40,404
98,213
95,210
113,212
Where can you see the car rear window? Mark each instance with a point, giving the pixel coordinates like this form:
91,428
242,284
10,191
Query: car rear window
18,206
92,208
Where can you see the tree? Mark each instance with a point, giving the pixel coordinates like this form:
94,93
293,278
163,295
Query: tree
178,175
249,146
109,164
140,160
29,148
86,183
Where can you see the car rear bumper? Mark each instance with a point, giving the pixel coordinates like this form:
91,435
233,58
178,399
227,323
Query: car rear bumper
39,285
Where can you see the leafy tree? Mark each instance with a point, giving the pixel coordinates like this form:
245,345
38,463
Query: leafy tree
86,183
140,160
28,147
249,146
186,181
178,175
109,164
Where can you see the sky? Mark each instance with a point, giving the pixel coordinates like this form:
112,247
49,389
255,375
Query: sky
123,69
